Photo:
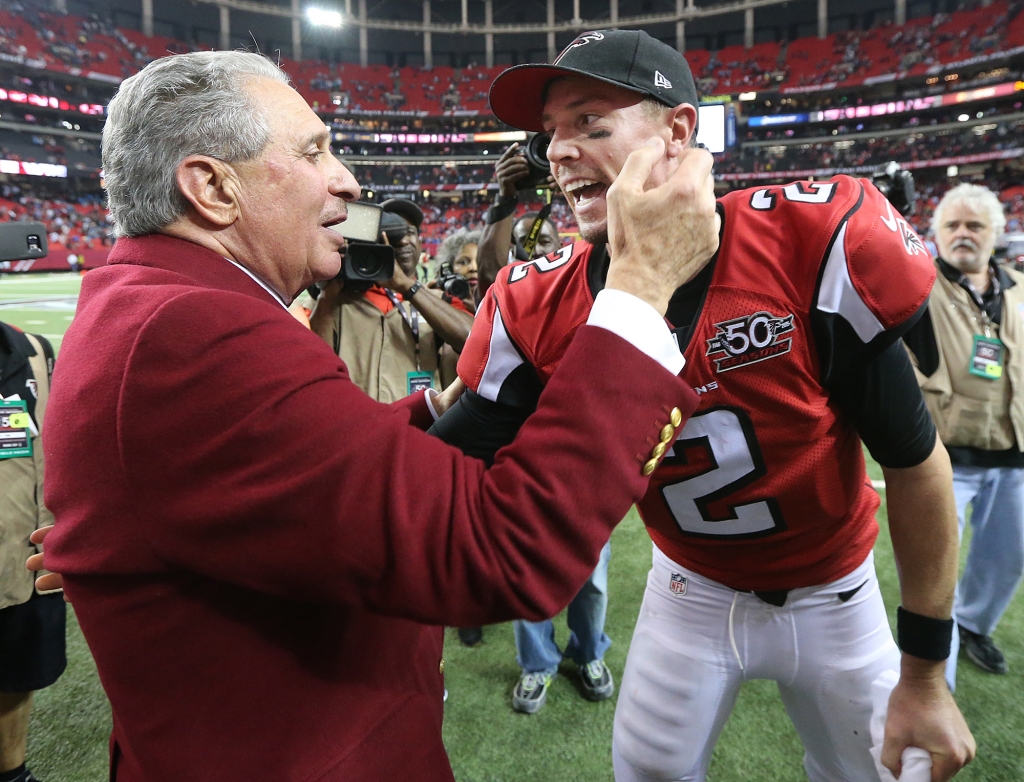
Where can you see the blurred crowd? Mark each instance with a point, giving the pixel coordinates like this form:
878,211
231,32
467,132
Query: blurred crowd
66,42
83,223
72,225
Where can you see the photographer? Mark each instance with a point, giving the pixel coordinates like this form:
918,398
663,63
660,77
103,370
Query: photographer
31,624
391,337
504,233
457,271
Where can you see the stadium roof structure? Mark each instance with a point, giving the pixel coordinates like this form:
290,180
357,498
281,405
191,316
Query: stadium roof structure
487,27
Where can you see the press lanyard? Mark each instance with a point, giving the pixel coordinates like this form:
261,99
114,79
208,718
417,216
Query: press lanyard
986,323
412,319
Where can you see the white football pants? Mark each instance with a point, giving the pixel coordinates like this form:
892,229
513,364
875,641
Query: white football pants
691,652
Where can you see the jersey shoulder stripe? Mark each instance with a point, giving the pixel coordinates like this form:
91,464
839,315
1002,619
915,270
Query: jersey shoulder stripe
543,302
529,315
867,264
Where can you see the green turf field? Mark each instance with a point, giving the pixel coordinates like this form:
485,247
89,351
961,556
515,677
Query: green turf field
570,739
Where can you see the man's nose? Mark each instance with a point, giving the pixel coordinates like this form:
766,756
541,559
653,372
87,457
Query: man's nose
341,182
562,149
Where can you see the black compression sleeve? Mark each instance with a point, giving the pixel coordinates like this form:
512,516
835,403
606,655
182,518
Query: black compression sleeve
921,341
479,427
885,405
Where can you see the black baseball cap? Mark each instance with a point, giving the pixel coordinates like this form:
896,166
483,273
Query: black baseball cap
626,58
406,209
393,223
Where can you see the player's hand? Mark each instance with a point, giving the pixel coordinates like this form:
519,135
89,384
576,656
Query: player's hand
49,581
510,169
448,397
922,713
660,237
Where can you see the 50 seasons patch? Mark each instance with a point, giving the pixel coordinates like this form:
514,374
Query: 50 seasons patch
750,339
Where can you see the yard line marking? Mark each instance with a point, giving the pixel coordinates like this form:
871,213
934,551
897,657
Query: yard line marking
11,280
878,485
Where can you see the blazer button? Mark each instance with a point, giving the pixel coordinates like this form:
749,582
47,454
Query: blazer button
650,467
668,433
440,668
659,450
676,416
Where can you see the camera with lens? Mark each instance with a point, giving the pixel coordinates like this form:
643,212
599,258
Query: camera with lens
897,185
536,154
367,259
452,283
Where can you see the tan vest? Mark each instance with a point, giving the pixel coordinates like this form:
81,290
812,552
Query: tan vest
380,350
968,410
21,500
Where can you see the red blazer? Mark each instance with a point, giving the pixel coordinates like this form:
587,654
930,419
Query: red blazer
262,558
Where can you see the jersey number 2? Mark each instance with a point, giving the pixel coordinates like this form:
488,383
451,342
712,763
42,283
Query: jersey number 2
728,436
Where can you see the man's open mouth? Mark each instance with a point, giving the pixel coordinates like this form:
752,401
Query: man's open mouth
582,191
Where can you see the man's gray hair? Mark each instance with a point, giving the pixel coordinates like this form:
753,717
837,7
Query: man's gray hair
185,104
452,246
980,199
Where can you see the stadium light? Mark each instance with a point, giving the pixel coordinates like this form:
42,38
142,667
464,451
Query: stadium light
321,17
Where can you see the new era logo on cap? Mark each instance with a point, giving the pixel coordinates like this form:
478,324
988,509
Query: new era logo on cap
626,58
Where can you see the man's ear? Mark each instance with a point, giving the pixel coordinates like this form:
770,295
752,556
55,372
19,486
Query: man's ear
210,186
683,124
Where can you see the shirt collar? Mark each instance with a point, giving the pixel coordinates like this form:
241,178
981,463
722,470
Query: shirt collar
267,288
998,273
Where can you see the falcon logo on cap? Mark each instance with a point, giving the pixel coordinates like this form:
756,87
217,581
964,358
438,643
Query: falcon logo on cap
583,40
661,81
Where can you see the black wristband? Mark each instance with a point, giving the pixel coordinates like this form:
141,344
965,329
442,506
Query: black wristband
922,636
412,291
502,209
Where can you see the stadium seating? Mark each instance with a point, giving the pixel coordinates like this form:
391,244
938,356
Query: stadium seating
92,47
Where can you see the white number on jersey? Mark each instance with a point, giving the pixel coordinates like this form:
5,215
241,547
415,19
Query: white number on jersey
763,200
519,271
728,434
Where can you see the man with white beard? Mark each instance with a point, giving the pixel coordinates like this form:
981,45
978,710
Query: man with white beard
967,352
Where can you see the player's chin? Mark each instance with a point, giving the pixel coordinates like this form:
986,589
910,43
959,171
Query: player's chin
594,232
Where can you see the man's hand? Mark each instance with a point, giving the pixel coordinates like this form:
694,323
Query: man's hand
510,169
445,399
659,238
922,713
400,282
34,563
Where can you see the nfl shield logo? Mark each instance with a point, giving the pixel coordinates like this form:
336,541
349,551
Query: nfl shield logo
678,584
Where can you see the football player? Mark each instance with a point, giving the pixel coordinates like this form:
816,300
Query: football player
760,509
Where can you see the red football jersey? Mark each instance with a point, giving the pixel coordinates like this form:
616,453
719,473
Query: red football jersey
765,486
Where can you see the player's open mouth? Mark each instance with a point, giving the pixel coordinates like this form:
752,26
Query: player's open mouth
583,191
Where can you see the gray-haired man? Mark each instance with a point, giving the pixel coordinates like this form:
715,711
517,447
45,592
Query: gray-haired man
257,558
969,365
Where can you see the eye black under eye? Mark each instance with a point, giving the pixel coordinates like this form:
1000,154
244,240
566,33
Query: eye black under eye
599,134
